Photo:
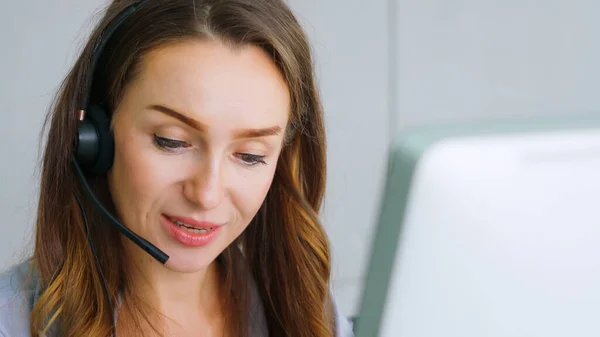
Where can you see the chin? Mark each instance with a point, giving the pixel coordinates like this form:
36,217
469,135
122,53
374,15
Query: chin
190,262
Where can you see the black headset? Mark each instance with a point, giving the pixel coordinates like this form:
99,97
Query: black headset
94,145
94,152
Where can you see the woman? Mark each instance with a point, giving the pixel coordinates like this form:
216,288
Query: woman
218,163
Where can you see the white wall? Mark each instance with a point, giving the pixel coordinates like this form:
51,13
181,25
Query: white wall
38,41
483,58
382,64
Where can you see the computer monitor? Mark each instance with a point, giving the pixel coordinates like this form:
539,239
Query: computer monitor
488,229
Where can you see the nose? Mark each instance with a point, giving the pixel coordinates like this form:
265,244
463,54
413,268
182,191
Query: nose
204,187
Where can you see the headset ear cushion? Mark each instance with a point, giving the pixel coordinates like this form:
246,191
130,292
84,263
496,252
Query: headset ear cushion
105,144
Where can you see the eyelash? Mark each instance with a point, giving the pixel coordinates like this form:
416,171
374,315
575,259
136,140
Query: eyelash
251,159
169,144
173,145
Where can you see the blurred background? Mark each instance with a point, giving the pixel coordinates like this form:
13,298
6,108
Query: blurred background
382,65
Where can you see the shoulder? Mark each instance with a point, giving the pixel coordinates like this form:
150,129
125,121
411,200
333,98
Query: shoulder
342,324
17,291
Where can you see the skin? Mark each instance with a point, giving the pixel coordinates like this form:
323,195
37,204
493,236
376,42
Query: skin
206,175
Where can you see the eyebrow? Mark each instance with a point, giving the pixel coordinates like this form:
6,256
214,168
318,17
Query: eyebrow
238,134
257,133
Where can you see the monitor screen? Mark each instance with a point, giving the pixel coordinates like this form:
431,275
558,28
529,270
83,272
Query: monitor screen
488,231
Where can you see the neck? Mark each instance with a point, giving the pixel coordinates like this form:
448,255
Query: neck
183,298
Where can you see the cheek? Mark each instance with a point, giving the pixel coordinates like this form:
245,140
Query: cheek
135,184
251,194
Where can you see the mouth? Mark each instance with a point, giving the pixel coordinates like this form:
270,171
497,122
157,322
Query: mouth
191,232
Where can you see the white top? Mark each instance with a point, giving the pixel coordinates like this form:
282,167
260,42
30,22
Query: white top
17,297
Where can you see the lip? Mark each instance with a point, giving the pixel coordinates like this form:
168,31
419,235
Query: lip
190,238
192,222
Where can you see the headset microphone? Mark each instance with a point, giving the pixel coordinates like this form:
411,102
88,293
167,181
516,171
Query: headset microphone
94,148
94,153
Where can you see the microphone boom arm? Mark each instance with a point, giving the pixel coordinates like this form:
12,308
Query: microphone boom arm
148,247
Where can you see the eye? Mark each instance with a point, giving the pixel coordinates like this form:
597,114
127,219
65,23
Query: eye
251,159
168,144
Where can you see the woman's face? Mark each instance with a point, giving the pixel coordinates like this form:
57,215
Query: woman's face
197,136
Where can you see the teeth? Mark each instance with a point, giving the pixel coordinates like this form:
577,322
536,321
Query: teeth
190,228
195,230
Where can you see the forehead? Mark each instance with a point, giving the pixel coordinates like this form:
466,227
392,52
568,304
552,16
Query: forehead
210,81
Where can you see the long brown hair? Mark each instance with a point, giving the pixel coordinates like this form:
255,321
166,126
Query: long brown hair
284,249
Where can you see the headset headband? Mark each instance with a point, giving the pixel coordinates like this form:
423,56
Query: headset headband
99,46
